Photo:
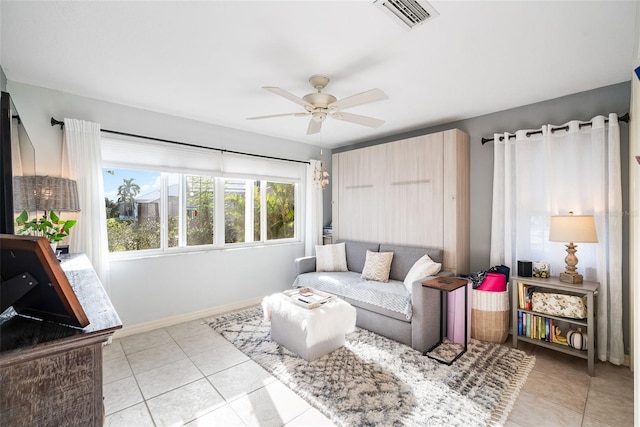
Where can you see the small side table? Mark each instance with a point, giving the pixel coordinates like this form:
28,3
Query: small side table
448,284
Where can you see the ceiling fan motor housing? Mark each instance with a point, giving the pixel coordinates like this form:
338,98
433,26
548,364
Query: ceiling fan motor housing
319,100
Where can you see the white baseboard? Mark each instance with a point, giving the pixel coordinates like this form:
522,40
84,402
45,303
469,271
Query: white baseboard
174,320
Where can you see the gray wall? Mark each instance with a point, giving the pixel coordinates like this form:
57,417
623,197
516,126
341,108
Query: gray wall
580,106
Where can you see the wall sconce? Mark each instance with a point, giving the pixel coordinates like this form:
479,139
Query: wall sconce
572,228
320,175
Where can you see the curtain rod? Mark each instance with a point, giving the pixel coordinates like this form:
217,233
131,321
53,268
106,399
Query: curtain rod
55,122
624,118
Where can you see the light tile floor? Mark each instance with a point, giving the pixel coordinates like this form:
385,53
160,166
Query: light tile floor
188,374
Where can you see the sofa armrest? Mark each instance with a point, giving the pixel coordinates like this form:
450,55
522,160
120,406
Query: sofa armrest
305,264
425,321
418,283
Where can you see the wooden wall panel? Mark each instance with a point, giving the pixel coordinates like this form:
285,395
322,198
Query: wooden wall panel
413,199
413,191
456,201
361,193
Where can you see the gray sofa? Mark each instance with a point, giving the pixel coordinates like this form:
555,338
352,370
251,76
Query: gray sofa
385,308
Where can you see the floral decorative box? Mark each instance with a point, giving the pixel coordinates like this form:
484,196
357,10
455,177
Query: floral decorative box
573,306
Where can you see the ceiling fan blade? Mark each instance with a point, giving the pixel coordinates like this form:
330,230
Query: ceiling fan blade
358,119
314,126
278,115
372,95
288,95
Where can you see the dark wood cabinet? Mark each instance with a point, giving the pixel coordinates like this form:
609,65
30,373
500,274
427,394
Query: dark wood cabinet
51,374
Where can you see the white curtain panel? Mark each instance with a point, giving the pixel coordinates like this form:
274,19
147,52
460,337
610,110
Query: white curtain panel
82,161
313,220
551,173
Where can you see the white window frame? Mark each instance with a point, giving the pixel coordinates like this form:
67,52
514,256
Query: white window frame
219,214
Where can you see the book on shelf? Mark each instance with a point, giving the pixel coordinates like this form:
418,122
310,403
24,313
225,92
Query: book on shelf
525,293
540,328
532,325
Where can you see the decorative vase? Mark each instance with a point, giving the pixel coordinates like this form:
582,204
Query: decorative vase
577,339
54,246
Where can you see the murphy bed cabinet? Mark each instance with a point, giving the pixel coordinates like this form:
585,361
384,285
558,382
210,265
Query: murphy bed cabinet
554,285
413,191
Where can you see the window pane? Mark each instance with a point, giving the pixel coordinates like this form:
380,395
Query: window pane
199,210
234,210
132,202
174,182
280,210
257,203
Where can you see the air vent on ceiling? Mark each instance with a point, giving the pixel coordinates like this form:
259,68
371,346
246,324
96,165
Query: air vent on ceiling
408,13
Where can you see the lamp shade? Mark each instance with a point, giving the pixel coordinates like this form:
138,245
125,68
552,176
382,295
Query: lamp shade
46,193
573,228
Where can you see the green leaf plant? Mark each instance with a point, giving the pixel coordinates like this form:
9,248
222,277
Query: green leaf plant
48,225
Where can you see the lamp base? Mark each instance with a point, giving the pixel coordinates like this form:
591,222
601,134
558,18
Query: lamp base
574,279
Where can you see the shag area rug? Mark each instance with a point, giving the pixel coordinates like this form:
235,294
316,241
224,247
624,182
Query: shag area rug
373,380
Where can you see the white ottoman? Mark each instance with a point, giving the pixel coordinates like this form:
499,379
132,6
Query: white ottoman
309,333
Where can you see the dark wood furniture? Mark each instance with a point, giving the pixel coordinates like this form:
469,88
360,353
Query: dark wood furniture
446,285
51,374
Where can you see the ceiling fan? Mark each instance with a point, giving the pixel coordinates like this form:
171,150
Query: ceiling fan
321,105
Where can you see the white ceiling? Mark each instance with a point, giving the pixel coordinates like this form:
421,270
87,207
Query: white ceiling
208,60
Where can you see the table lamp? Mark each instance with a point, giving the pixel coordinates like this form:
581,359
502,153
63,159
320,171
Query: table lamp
572,228
46,193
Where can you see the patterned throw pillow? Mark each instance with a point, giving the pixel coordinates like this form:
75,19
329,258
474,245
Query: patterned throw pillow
377,266
331,257
422,268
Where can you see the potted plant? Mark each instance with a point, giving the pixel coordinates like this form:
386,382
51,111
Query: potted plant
48,225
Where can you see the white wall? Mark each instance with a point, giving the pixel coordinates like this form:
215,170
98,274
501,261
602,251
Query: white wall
151,289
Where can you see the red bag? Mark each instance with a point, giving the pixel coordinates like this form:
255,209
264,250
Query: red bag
494,282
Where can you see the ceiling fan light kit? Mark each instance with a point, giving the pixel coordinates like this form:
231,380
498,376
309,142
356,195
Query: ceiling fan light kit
321,105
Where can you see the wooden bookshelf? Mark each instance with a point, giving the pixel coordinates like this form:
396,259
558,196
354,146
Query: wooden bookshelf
554,285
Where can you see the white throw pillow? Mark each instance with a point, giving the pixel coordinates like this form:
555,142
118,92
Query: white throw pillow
377,266
423,267
331,257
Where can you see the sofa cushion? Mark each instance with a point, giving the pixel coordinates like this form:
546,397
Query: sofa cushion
424,267
373,308
405,256
356,253
392,296
377,266
331,257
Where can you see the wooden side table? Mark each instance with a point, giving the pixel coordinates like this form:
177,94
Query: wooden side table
448,284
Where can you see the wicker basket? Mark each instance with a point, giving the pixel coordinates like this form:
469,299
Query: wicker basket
490,316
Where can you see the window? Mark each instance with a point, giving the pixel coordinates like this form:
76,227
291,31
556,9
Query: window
133,210
138,203
280,202
199,210
163,198
237,212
